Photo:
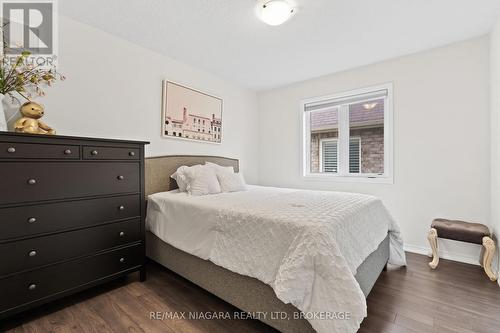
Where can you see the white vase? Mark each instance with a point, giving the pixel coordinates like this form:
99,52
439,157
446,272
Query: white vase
3,121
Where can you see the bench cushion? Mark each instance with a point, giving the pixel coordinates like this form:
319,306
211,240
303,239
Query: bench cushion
460,230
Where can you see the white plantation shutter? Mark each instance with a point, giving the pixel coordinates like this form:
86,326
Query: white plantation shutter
329,152
354,155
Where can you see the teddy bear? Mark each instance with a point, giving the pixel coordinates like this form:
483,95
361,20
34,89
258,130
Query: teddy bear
30,122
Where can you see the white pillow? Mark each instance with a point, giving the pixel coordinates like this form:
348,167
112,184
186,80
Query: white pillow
219,169
201,180
180,178
231,182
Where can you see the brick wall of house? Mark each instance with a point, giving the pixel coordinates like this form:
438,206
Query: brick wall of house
372,148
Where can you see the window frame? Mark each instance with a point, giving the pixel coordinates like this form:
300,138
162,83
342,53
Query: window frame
343,174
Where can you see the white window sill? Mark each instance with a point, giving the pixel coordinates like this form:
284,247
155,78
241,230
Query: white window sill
349,179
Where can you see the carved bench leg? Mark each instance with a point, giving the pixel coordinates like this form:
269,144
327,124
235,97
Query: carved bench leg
489,252
432,237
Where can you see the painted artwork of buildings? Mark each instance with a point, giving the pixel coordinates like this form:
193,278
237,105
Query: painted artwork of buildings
190,114
193,126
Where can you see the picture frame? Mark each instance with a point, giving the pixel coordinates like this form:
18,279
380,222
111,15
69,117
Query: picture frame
190,114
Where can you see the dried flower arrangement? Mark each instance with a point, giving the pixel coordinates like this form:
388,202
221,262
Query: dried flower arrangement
18,75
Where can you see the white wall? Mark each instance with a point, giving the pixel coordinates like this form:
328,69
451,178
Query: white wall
495,129
441,138
113,90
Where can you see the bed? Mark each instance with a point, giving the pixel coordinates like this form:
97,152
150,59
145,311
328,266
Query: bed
242,248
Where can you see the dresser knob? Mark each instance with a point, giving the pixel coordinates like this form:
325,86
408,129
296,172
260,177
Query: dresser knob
121,207
32,286
94,152
11,150
32,181
67,152
131,153
32,253
122,234
122,260
31,220
120,177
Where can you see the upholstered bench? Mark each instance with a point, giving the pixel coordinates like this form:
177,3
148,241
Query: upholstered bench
465,232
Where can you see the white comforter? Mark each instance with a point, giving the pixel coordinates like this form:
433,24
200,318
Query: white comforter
307,245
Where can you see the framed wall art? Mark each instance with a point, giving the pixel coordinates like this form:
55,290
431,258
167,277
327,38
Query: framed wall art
190,114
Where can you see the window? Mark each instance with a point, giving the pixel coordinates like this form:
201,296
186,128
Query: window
354,155
328,155
348,136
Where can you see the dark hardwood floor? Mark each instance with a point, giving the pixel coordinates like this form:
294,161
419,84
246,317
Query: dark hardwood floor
454,298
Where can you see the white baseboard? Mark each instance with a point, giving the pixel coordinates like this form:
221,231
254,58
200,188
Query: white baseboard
497,271
498,276
442,254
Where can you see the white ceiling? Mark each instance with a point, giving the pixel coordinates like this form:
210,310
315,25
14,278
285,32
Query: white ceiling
325,36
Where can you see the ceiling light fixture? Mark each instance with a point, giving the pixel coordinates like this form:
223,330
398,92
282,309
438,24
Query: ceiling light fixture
274,12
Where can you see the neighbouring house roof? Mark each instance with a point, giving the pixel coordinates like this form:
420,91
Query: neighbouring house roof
324,120
358,116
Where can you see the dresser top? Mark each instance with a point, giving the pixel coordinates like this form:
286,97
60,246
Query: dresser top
36,137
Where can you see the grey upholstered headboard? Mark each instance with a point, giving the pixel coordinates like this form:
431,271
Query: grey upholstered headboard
159,169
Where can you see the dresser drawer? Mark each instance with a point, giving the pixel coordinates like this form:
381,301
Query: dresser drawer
36,285
30,220
110,153
36,252
37,181
10,150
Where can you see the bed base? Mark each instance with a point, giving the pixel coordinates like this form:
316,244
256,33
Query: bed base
249,294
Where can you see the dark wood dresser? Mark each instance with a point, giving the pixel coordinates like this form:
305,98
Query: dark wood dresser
71,216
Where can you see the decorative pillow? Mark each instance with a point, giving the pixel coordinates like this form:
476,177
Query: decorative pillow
201,180
219,169
231,182
180,177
